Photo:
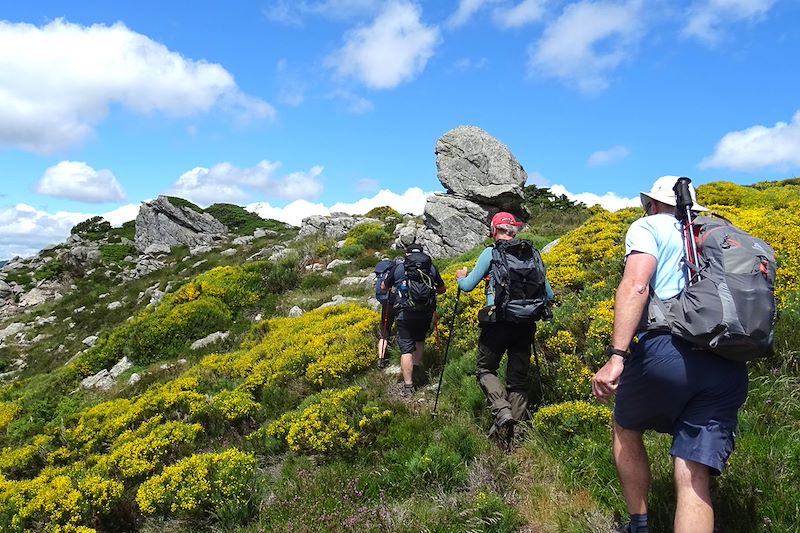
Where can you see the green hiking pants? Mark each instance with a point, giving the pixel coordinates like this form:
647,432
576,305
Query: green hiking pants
495,340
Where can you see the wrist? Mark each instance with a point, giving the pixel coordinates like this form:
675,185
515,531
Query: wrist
611,350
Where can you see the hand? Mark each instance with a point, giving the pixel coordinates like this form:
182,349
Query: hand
604,383
461,273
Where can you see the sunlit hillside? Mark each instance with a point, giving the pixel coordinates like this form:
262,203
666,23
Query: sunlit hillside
286,424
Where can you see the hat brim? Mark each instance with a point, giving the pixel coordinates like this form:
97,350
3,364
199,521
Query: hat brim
669,201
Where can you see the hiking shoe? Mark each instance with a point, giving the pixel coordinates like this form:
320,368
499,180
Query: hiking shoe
382,362
407,391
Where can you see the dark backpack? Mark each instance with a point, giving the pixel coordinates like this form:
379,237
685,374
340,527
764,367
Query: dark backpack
415,285
731,309
380,274
518,279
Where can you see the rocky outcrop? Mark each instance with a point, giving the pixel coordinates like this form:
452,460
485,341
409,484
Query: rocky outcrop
472,164
482,177
333,226
160,222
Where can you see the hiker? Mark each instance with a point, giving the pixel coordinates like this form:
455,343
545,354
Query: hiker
416,283
662,382
508,325
387,300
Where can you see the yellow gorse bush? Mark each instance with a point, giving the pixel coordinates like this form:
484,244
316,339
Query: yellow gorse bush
8,411
563,420
198,484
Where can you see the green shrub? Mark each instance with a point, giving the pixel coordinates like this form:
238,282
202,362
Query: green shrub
95,225
51,270
383,212
350,251
314,281
127,230
278,277
374,239
238,219
116,253
180,202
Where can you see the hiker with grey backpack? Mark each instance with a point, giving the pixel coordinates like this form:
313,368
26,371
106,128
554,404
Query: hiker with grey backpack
517,295
696,300
415,283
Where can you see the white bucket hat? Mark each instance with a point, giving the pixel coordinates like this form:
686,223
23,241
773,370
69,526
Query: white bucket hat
662,191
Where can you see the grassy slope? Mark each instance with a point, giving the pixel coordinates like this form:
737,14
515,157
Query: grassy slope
414,472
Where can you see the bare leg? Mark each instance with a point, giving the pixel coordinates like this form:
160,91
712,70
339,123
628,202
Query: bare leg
693,512
407,367
382,345
633,468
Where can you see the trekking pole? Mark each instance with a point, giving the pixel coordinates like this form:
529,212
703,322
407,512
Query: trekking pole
385,330
438,341
683,211
446,349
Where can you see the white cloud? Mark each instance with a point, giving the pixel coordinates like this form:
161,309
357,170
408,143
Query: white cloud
609,200
758,147
612,155
525,12
395,48
412,201
587,42
706,17
24,230
466,9
58,81
78,181
225,182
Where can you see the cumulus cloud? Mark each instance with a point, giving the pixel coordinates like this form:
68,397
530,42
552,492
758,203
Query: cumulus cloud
707,17
57,82
393,49
76,180
758,147
412,201
525,12
606,157
225,182
466,9
24,230
587,42
610,201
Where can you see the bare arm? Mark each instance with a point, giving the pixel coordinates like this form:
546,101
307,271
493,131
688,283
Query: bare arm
629,303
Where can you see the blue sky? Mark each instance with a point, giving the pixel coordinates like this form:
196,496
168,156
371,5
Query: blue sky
302,107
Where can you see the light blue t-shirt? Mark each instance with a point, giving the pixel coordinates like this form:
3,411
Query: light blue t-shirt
661,236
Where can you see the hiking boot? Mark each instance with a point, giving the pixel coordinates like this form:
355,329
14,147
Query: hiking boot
407,391
382,362
503,430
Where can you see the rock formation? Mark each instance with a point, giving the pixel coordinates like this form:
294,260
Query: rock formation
333,226
160,222
482,177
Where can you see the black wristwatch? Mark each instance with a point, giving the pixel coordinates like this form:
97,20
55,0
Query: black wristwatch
616,351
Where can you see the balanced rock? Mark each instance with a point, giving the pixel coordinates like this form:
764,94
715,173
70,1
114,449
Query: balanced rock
161,222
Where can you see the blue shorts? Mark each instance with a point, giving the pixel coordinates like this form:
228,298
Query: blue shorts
671,387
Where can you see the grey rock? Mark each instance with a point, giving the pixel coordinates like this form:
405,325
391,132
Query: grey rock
337,262
161,222
121,366
45,292
241,241
134,379
549,246
209,339
262,232
200,250
333,226
90,341
157,248
228,253
473,164
102,381
295,312
82,256
338,300
5,290
357,280
374,304
113,306
11,329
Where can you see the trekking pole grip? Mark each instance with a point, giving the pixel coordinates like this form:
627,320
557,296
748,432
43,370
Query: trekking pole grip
683,199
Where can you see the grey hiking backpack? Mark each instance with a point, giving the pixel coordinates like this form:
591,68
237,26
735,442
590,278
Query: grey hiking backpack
518,280
730,309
